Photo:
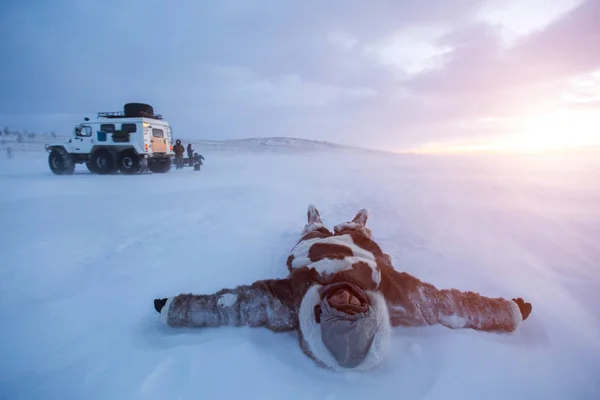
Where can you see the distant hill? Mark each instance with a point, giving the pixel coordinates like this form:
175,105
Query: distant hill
274,144
33,142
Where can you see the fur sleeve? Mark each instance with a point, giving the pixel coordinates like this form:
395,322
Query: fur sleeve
265,303
456,309
413,303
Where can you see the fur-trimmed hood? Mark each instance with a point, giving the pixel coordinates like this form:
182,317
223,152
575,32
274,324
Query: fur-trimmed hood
310,332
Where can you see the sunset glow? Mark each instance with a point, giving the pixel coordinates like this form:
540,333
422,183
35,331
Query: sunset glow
566,129
554,131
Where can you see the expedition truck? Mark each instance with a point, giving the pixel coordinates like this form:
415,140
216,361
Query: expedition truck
131,141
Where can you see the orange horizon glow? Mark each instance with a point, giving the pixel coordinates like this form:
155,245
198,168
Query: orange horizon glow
550,132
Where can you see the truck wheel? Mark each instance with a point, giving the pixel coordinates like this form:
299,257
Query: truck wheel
90,167
103,162
160,166
61,162
128,162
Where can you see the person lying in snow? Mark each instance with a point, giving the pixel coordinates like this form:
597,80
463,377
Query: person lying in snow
343,296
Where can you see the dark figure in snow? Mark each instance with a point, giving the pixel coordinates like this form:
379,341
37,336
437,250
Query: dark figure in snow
179,150
198,161
343,296
190,154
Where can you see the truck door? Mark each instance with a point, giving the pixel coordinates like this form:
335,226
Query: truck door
159,143
83,140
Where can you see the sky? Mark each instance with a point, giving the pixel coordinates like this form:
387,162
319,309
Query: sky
428,76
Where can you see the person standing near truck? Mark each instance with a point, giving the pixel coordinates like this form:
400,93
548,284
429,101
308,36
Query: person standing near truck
178,149
190,154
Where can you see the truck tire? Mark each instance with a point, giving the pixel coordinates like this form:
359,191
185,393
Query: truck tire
61,162
136,109
90,167
128,162
161,166
103,162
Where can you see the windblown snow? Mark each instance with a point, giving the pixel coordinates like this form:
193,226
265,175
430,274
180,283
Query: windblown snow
83,257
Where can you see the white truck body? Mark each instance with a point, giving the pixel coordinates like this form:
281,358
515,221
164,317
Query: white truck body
131,143
150,138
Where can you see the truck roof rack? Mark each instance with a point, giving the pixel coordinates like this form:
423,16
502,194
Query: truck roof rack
121,114
116,114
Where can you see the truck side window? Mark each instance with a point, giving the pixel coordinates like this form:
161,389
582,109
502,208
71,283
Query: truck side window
85,131
108,128
131,128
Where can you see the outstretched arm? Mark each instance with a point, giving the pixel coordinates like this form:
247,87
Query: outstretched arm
456,309
265,303
413,302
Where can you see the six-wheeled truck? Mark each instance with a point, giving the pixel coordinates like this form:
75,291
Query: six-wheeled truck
131,141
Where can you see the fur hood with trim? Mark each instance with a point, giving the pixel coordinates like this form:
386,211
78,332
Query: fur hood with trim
309,334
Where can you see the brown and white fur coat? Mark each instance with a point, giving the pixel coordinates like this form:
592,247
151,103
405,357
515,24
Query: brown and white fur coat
350,255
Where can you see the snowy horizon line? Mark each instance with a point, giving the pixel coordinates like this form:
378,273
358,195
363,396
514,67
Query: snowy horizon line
261,141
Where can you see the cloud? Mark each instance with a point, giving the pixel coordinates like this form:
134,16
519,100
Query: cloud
583,89
412,51
486,77
516,18
247,88
564,48
344,40
559,51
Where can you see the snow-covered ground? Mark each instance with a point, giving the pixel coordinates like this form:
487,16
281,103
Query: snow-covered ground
83,256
